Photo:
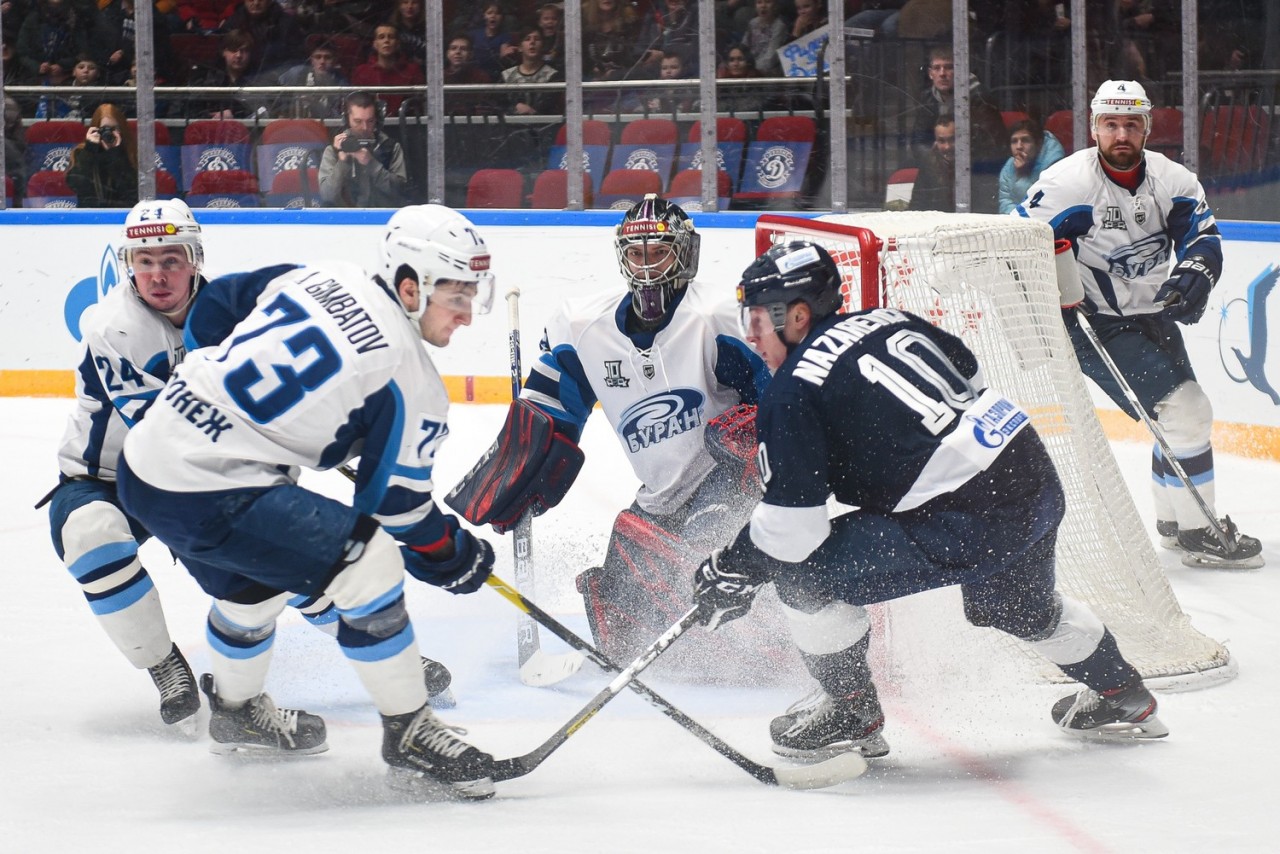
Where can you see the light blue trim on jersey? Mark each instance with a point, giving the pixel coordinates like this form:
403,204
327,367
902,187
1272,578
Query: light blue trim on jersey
95,559
375,605
140,586
370,498
382,650
237,652
119,403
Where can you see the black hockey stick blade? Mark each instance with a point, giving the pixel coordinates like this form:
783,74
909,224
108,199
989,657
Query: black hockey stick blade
829,772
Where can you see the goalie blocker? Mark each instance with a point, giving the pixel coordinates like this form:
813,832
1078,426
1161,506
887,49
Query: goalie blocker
529,468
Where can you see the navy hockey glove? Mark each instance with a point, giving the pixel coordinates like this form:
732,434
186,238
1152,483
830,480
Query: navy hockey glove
1185,294
721,593
464,572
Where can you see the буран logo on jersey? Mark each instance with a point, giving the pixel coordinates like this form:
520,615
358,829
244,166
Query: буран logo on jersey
656,419
1141,258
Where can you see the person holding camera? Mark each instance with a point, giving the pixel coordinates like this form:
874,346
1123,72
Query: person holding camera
104,168
363,168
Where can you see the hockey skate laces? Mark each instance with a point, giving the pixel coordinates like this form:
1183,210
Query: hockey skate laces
264,713
811,707
170,677
437,736
1086,701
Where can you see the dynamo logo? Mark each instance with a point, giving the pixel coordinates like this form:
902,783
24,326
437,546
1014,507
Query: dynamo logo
776,165
91,291
660,417
291,159
642,158
217,160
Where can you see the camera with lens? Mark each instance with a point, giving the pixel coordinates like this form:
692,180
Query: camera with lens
352,143
107,134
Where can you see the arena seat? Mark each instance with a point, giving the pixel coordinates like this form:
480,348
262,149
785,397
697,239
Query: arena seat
686,189
49,144
731,136
223,188
295,188
495,188
551,190
897,191
645,144
1062,125
48,189
286,143
777,160
622,188
214,145
596,139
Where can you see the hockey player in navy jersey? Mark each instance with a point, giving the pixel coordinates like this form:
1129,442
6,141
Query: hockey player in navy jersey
327,365
888,414
1149,254
666,362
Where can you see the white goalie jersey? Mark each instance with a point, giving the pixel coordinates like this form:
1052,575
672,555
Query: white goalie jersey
129,353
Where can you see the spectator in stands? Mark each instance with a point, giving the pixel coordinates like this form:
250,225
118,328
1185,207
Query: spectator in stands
13,13
809,17
675,28
551,24
532,69
492,44
13,74
410,24
879,16
204,16
340,17
674,100
86,72
1032,148
52,36
765,34
1143,24
935,188
459,70
608,40
738,65
320,69
388,67
987,133
15,147
237,48
925,19
277,38
104,168
363,168
732,19
113,41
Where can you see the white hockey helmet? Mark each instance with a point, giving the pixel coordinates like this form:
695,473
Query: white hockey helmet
161,222
1120,98
435,242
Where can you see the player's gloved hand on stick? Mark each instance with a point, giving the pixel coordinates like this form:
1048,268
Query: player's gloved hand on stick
1185,294
723,593
464,571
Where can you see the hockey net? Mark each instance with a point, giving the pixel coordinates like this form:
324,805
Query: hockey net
991,281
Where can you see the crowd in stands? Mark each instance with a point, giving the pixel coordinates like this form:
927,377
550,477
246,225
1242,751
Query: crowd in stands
371,44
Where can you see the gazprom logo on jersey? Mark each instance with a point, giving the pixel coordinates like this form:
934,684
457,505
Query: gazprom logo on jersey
87,292
656,419
1141,258
999,423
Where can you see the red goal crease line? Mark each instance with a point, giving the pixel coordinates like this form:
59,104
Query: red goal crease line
1255,441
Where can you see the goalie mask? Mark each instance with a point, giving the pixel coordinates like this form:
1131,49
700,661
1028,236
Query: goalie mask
1120,98
657,253
798,270
159,223
433,243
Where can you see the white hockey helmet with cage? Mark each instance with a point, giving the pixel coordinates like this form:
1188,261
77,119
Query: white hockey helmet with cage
436,243
653,277
1120,98
161,222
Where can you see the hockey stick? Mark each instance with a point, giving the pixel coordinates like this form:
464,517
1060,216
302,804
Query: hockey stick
828,772
537,668
1224,534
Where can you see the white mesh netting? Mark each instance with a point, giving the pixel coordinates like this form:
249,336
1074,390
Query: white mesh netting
991,280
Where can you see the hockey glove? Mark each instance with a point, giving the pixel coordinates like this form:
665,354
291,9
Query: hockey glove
723,594
464,572
1185,294
731,440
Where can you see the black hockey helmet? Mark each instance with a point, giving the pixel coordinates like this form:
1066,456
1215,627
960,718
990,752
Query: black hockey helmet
796,270
652,280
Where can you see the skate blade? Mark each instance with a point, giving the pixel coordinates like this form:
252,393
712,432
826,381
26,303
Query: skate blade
1171,543
188,727
1199,561
422,787
243,750
1145,730
871,747
443,700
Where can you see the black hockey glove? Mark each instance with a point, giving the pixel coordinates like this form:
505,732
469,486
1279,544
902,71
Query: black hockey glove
1185,294
464,572
723,593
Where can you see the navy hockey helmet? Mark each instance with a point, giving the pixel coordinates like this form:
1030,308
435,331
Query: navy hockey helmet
796,270
657,252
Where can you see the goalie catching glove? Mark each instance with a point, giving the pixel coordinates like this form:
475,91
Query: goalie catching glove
464,570
723,593
529,468
1185,294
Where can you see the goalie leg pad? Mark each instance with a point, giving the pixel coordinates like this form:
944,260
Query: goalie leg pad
529,467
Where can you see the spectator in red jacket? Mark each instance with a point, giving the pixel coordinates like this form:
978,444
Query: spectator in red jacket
388,67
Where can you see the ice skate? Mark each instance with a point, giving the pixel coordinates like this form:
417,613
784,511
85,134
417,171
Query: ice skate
1167,531
437,679
1203,549
1116,715
178,697
260,727
426,756
820,726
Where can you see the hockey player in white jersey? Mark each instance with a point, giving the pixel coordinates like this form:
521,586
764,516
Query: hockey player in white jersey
1148,252
667,365
328,365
